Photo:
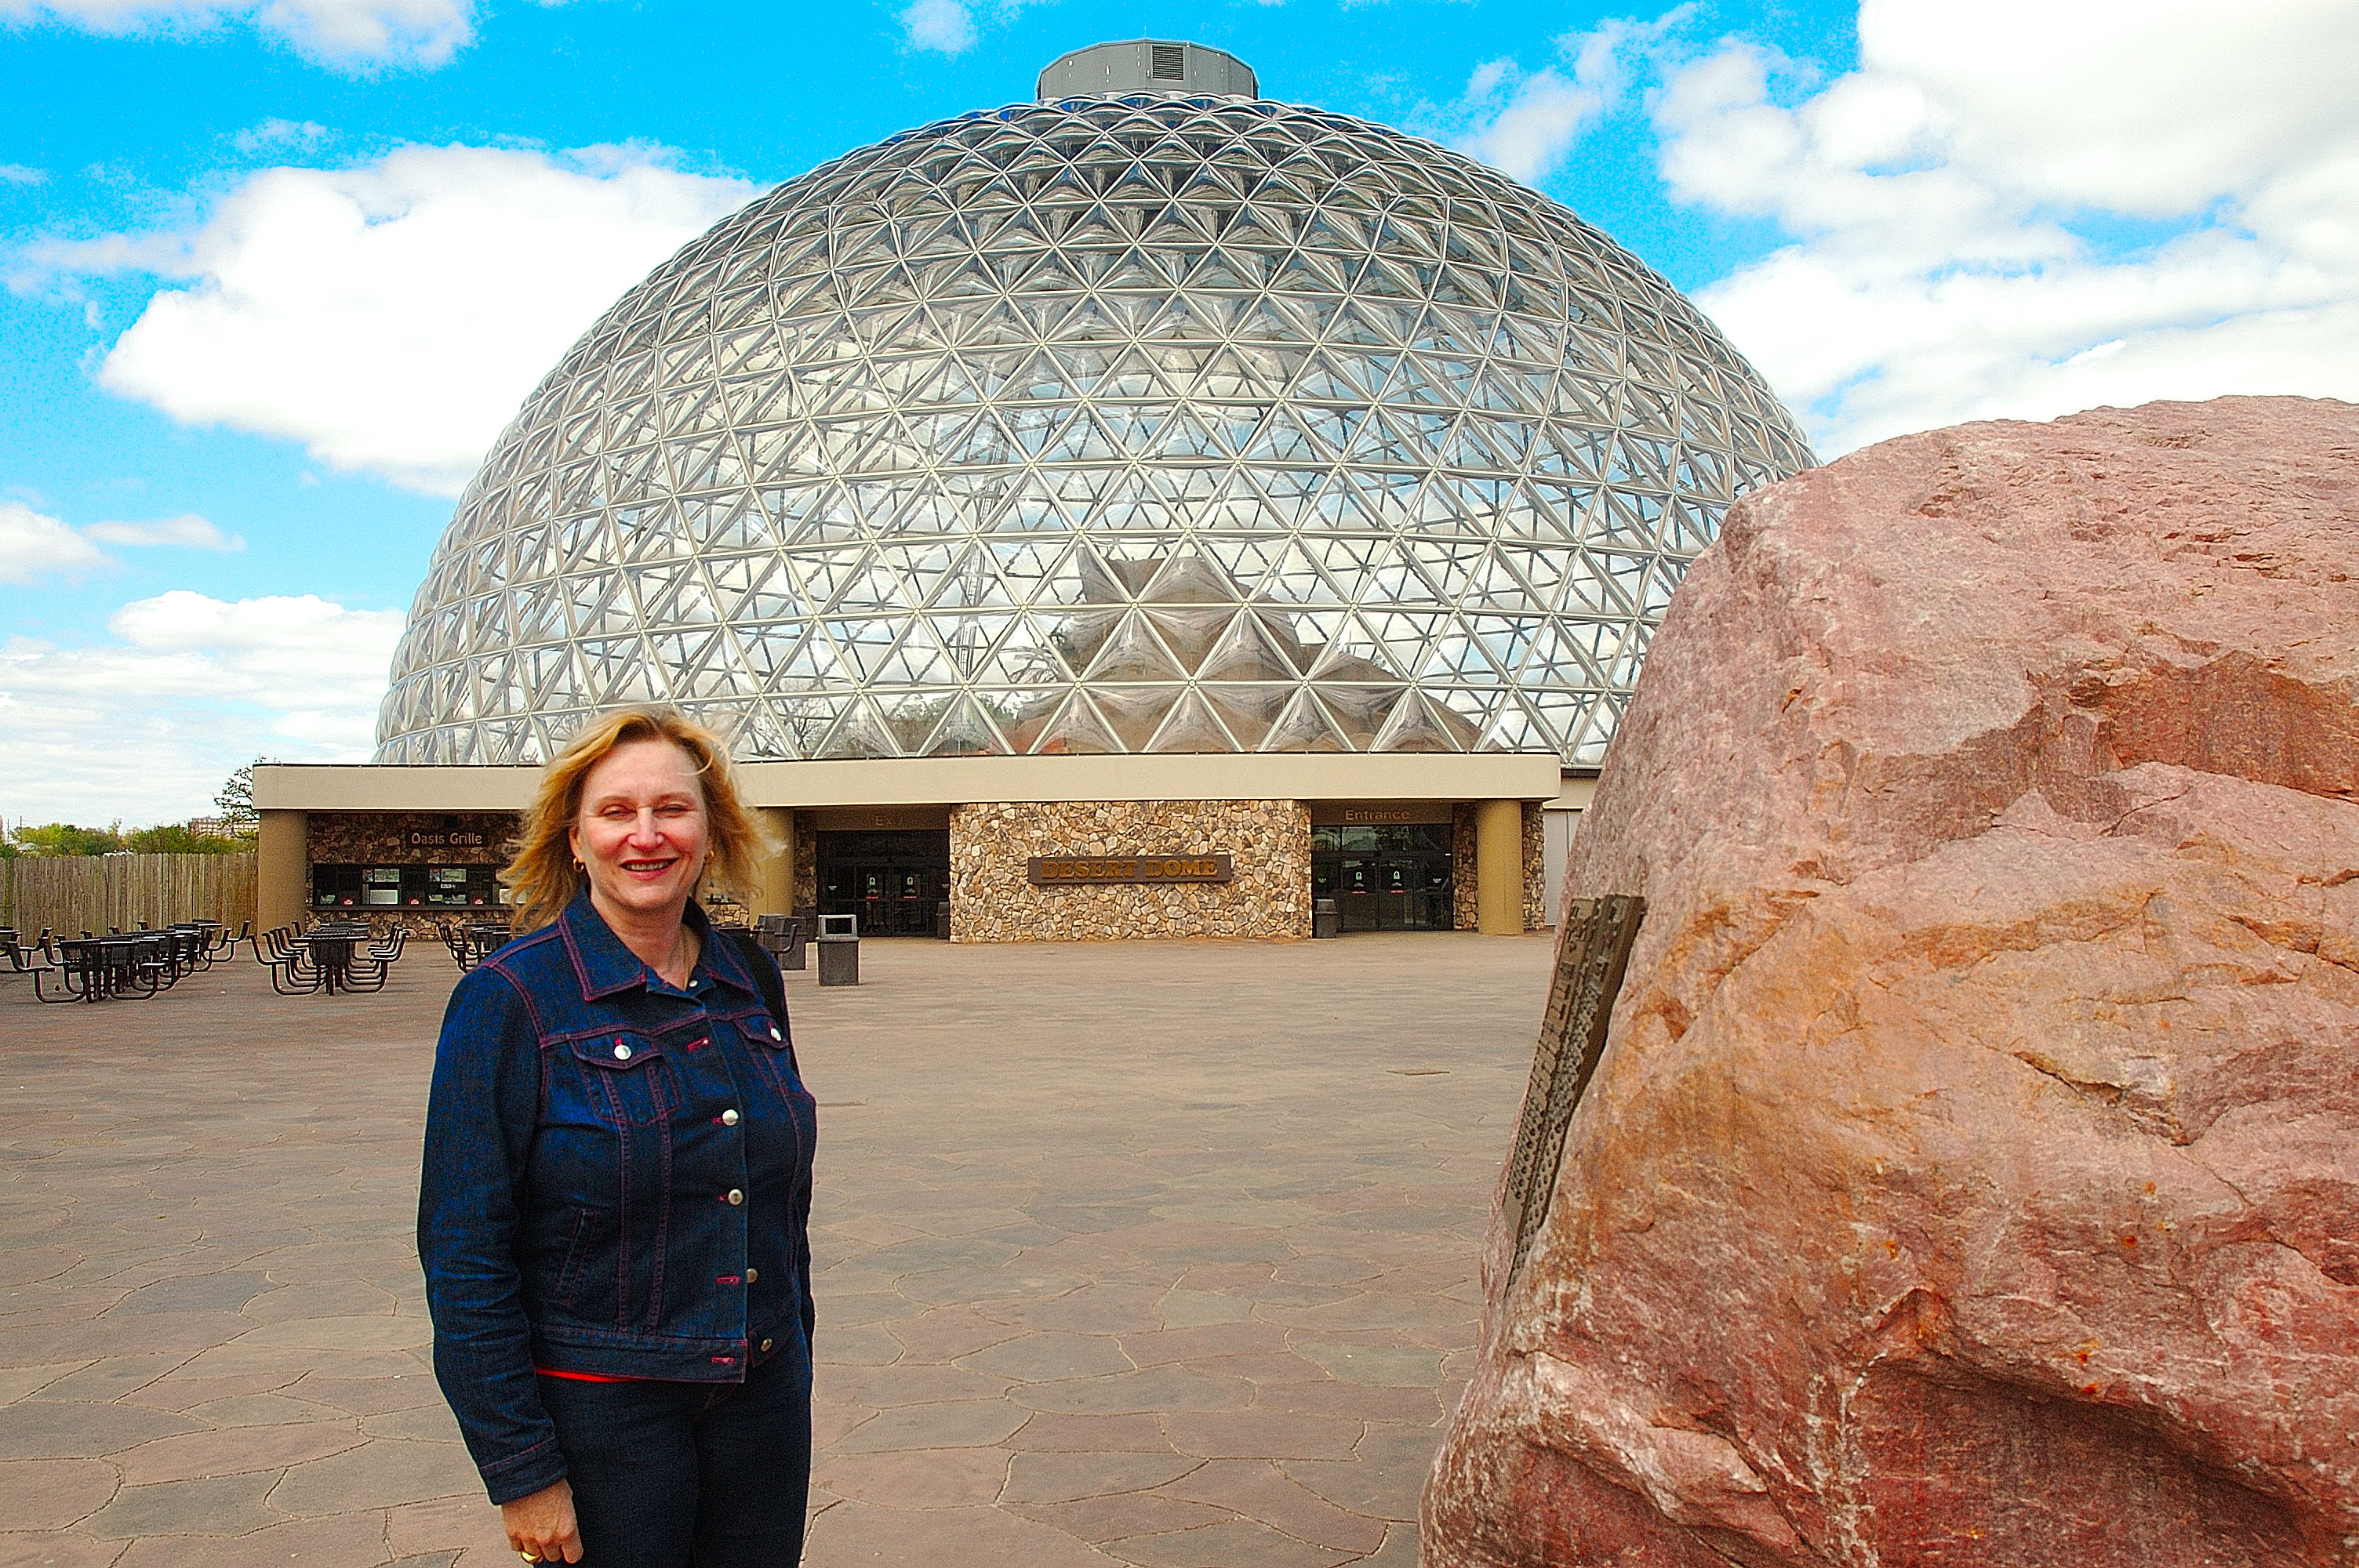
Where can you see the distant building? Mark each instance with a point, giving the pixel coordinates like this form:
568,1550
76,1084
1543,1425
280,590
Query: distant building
1149,475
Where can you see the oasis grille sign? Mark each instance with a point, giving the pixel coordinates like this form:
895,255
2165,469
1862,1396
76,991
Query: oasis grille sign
1074,870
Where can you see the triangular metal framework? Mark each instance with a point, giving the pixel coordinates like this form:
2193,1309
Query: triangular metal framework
1122,425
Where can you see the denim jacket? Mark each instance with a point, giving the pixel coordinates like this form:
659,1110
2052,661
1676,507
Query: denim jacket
616,1181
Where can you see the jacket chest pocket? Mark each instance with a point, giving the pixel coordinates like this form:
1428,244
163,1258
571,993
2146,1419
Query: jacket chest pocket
773,1049
625,1079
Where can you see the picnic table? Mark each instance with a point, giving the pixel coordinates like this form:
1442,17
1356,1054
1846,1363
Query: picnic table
329,950
328,958
91,967
476,940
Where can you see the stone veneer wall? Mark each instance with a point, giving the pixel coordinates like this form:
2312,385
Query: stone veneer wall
1535,867
992,901
382,837
805,886
1465,915
1465,912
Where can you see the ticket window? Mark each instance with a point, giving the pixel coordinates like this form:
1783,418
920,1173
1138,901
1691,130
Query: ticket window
336,887
355,887
461,887
406,887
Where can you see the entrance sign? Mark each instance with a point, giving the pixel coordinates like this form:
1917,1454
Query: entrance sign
1381,813
1067,871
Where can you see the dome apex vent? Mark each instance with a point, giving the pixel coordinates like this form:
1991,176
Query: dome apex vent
1146,65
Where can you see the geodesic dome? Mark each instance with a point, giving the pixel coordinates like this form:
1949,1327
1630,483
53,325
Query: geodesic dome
1144,423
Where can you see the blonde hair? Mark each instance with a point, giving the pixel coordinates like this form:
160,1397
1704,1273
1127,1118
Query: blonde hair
545,876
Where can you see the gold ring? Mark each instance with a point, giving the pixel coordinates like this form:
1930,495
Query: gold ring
527,1555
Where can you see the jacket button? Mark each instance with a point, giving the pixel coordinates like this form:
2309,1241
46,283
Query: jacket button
622,1051
767,1344
729,1119
752,1275
773,1032
735,1196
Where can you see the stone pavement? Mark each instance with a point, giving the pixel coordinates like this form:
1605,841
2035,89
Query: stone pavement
1153,1253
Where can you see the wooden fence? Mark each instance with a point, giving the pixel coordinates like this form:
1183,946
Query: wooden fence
75,893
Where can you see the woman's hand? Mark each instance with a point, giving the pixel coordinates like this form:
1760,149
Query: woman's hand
541,1526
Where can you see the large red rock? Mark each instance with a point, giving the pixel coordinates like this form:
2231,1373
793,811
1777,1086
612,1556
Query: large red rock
1972,1174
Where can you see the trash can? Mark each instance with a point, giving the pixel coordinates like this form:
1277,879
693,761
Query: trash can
839,949
1324,920
942,919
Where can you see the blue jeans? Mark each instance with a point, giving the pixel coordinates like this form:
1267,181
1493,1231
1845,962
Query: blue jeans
671,1475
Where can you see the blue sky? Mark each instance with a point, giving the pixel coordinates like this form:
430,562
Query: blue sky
277,272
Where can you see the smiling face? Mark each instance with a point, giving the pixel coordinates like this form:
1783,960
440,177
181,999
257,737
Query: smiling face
641,831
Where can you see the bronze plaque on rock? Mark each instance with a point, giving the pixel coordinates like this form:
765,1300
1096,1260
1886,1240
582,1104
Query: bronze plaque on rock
1594,952
1081,870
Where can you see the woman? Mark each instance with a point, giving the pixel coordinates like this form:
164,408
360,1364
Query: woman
615,1198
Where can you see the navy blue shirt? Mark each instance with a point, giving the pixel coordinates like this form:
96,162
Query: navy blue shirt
616,1181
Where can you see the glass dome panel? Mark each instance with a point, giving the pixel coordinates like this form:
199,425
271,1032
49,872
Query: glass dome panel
1128,424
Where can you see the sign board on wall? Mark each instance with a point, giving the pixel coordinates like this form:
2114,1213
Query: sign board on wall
1377,813
1074,870
880,818
410,837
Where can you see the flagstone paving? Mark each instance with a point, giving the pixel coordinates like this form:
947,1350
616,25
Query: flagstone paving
1159,1254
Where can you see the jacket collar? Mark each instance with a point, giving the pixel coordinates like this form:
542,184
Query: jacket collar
718,956
604,967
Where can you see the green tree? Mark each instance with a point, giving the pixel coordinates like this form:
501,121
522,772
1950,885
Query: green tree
65,839
173,839
235,801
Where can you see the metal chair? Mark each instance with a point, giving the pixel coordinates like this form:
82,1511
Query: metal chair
290,973
35,959
370,968
487,939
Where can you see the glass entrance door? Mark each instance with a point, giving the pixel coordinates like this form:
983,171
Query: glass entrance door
894,881
1390,878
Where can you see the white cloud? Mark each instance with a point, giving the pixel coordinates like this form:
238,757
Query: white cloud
1531,123
276,135
2153,107
952,27
18,173
349,33
946,27
288,650
34,545
1858,164
188,530
1524,125
144,727
392,316
2021,209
